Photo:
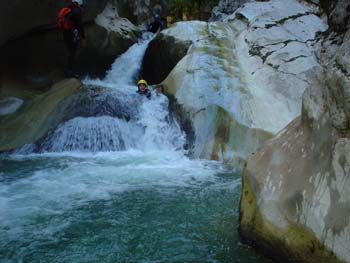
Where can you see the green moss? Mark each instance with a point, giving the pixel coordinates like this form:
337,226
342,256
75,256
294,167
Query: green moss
293,244
191,9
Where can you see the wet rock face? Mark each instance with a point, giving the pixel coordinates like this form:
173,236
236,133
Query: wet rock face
35,122
285,192
242,79
19,17
30,60
338,13
97,102
110,36
296,188
36,117
96,109
162,55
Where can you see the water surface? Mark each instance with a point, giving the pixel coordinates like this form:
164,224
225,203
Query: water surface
119,207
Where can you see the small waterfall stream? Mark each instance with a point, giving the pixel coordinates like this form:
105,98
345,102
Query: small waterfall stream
113,184
150,127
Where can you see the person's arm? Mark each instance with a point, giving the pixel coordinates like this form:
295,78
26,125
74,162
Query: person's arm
149,27
162,24
148,94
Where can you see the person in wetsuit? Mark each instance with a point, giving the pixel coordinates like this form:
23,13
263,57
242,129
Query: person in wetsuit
73,33
159,90
143,88
156,24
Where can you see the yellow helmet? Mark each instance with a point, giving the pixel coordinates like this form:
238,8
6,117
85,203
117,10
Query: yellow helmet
142,81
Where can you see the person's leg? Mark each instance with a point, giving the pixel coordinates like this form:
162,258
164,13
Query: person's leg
71,57
72,50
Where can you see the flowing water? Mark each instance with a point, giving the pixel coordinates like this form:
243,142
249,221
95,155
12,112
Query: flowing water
103,188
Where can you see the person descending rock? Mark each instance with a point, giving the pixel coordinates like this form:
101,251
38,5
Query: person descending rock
159,90
156,24
143,88
70,21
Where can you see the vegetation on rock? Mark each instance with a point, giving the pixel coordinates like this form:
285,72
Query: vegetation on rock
192,10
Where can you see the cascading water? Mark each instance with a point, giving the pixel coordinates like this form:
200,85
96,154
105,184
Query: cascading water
92,134
112,183
150,128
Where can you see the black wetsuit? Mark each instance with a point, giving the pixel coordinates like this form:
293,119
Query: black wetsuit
73,36
146,93
156,24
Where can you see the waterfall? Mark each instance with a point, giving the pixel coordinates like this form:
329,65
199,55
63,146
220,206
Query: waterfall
111,182
125,69
161,132
92,134
151,128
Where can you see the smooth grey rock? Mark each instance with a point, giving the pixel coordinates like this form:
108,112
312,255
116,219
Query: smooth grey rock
296,187
243,79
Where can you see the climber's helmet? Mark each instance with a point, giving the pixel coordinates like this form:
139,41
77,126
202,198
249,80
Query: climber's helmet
142,81
142,85
79,2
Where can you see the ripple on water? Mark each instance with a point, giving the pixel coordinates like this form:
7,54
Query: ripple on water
118,207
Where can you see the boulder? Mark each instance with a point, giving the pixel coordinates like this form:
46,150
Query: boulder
162,55
296,193
109,37
285,190
36,117
244,76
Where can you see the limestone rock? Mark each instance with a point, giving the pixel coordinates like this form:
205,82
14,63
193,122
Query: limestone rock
162,55
296,188
250,70
295,194
36,117
285,190
111,20
109,37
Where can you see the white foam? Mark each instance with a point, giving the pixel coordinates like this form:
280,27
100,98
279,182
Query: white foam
125,69
92,135
153,130
65,181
